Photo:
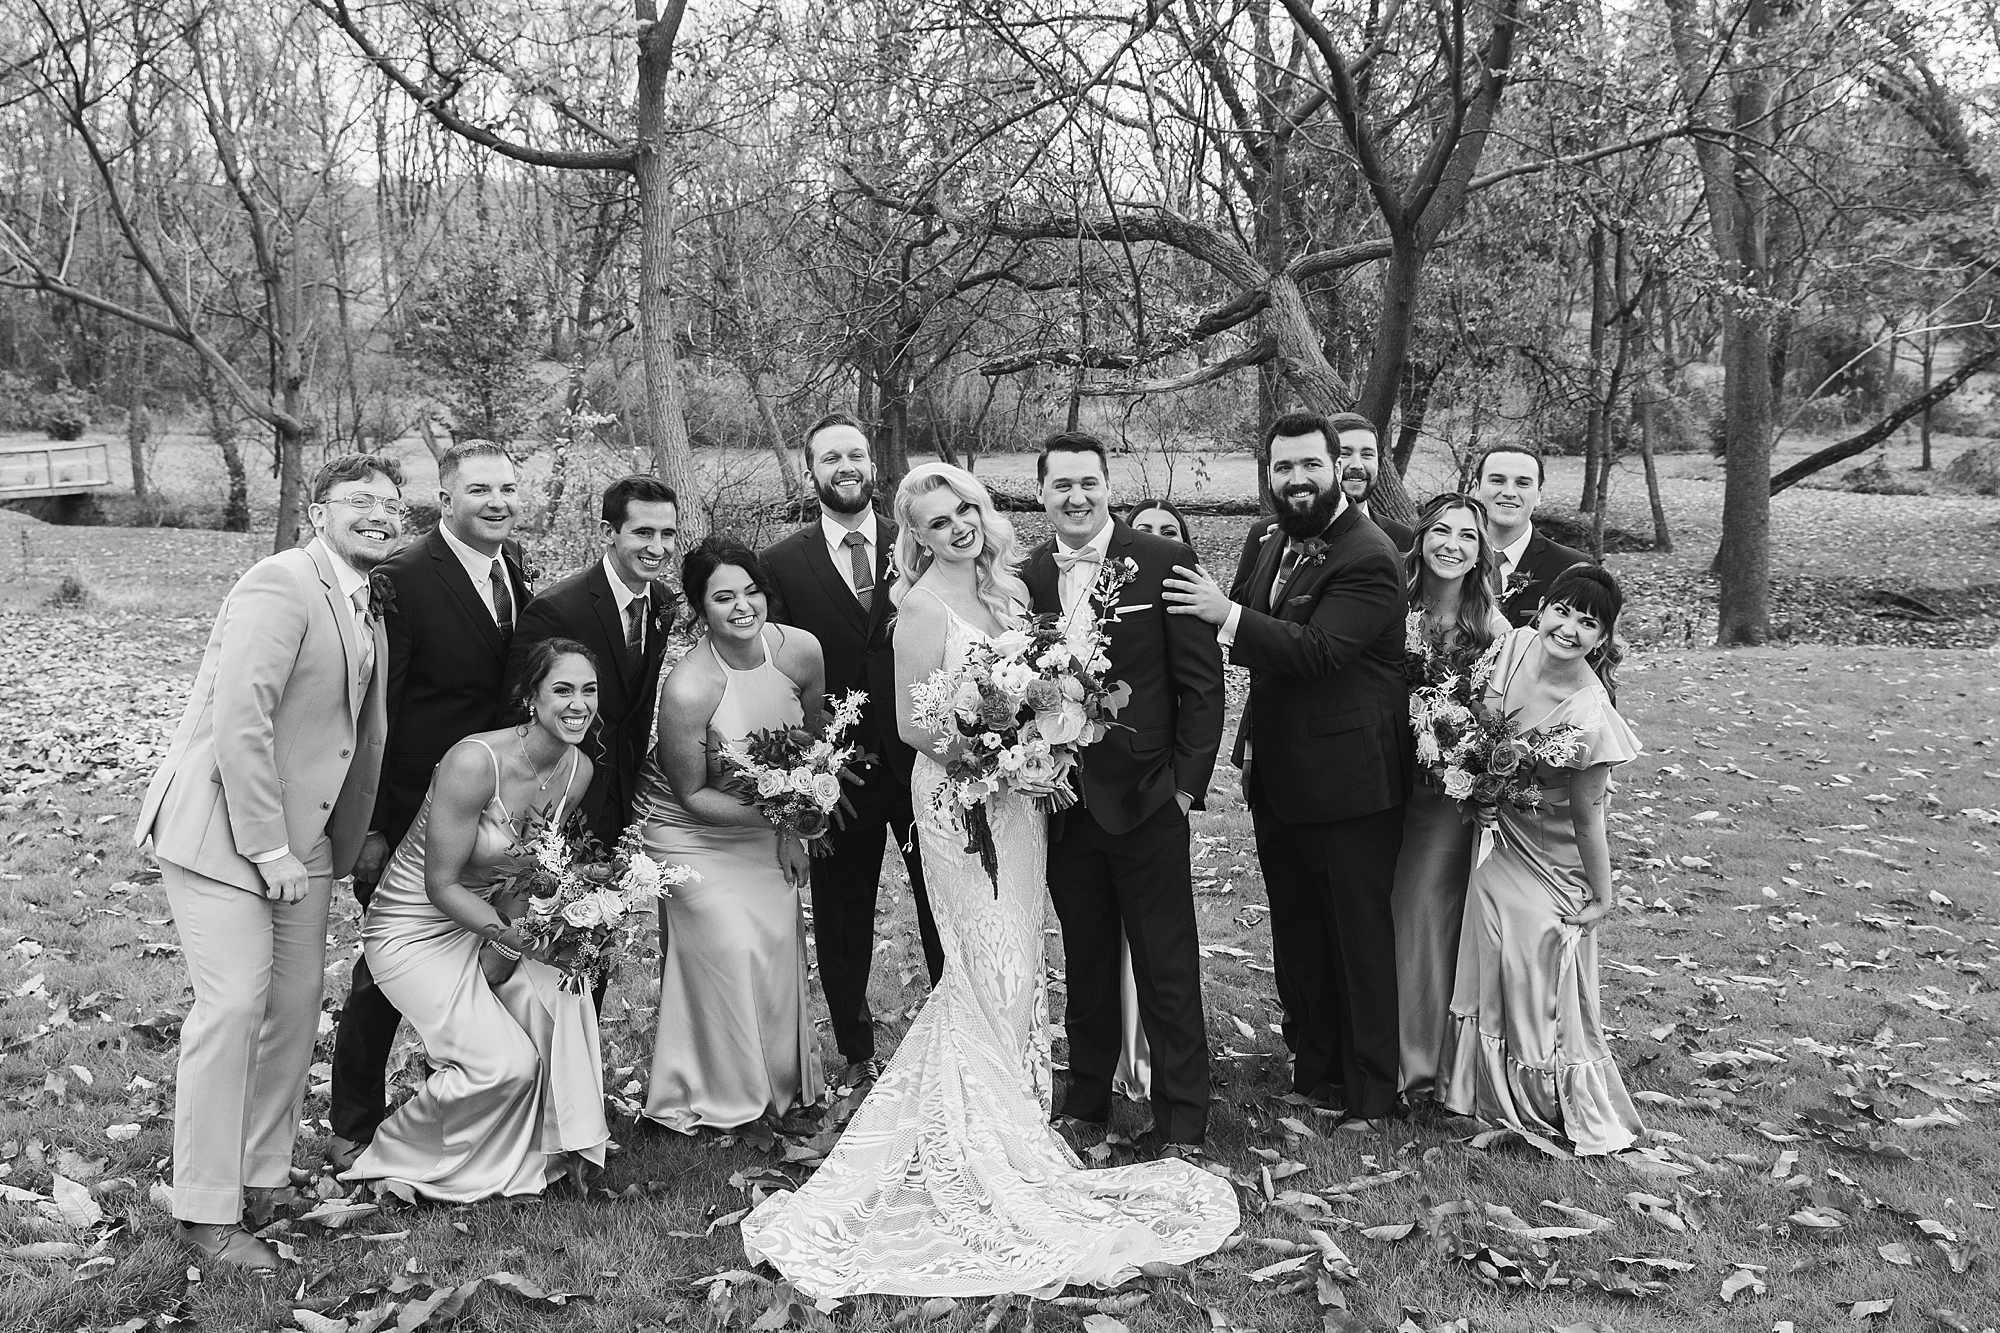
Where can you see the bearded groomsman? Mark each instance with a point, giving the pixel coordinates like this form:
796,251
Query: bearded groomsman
262,802
1119,866
832,579
455,597
1316,614
1507,479
621,608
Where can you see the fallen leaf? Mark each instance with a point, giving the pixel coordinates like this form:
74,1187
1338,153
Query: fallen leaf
1392,1232
74,1204
43,1251
1739,1281
1862,1311
1897,1253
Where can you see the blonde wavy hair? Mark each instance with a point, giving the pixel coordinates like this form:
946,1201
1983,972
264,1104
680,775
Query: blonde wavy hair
1000,587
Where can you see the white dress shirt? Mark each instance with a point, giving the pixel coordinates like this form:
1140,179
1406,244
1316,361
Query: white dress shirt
1073,585
350,581
836,545
478,568
624,596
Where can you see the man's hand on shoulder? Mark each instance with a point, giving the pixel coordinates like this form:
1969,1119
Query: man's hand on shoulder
1193,592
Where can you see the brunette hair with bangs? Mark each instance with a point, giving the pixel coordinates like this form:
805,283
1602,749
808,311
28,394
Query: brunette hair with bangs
1592,591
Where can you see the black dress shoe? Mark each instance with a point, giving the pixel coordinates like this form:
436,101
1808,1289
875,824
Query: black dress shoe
1080,1135
860,1073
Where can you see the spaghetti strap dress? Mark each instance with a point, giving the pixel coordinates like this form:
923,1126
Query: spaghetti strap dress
516,1081
735,1041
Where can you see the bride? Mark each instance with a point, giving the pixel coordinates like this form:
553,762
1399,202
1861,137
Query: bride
950,1181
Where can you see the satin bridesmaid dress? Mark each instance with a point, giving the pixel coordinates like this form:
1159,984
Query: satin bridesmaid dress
735,1041
1525,1046
517,1082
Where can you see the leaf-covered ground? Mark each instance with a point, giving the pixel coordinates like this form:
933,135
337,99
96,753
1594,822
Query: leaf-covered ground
1801,983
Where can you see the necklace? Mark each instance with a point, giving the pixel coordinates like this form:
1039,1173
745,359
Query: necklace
521,739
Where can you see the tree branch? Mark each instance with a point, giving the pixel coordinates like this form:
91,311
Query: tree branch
1883,429
437,104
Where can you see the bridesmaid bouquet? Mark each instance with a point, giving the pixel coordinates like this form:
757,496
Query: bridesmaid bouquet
585,908
1026,703
1476,756
792,776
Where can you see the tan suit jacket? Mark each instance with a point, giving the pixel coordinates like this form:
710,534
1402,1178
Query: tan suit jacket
280,745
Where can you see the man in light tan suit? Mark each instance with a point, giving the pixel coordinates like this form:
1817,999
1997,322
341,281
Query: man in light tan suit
262,802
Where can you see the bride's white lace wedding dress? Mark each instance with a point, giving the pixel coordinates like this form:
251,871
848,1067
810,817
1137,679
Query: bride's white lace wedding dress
949,1180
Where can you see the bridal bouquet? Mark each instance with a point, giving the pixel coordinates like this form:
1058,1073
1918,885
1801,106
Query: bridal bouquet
792,776
1475,755
586,907
1026,703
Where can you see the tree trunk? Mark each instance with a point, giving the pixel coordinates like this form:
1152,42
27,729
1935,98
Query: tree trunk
1595,421
1401,278
1743,564
666,408
1289,324
291,444
135,413
767,412
1643,406
222,430
1418,382
1924,426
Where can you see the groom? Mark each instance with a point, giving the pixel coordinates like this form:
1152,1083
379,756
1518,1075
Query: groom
1118,859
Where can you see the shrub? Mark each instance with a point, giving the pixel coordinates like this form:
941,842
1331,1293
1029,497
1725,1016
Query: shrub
1977,469
72,593
1875,478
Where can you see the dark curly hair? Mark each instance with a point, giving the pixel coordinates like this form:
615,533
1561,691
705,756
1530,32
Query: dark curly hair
709,554
540,659
1590,590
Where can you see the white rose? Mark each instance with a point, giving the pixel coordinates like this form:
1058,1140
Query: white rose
801,781
967,698
582,913
542,906
826,790
1012,677
609,906
1012,643
642,876
1457,783
770,782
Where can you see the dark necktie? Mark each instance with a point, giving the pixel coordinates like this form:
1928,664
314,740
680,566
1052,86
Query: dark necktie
1286,564
635,626
503,597
864,574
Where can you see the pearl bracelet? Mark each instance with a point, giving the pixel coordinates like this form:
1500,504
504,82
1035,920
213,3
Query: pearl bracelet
511,955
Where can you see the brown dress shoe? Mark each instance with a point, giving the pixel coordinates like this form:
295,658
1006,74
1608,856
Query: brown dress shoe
229,1245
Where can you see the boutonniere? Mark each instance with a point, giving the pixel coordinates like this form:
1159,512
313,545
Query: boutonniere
1516,584
1111,576
381,593
663,613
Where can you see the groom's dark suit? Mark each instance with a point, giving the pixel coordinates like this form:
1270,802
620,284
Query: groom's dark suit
446,661
1327,758
860,655
582,606
1118,860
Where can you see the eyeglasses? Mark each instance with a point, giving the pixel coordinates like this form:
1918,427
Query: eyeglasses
361,502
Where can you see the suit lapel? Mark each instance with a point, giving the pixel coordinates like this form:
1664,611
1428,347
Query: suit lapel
885,545
609,622
343,619
1303,588
453,574
1266,570
838,594
1044,593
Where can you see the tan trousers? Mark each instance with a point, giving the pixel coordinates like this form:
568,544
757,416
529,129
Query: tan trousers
257,967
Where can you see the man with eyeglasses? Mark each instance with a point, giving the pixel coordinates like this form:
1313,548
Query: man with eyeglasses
262,801
457,595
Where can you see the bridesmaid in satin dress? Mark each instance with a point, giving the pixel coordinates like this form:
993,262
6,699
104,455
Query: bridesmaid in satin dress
735,1041
1525,1047
1450,566
515,1099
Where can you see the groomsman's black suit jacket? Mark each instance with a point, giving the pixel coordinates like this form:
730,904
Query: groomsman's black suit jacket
859,647
446,661
1327,722
1396,532
1540,564
582,606
1169,730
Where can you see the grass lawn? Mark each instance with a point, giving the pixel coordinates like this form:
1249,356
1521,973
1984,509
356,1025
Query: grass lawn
1800,983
